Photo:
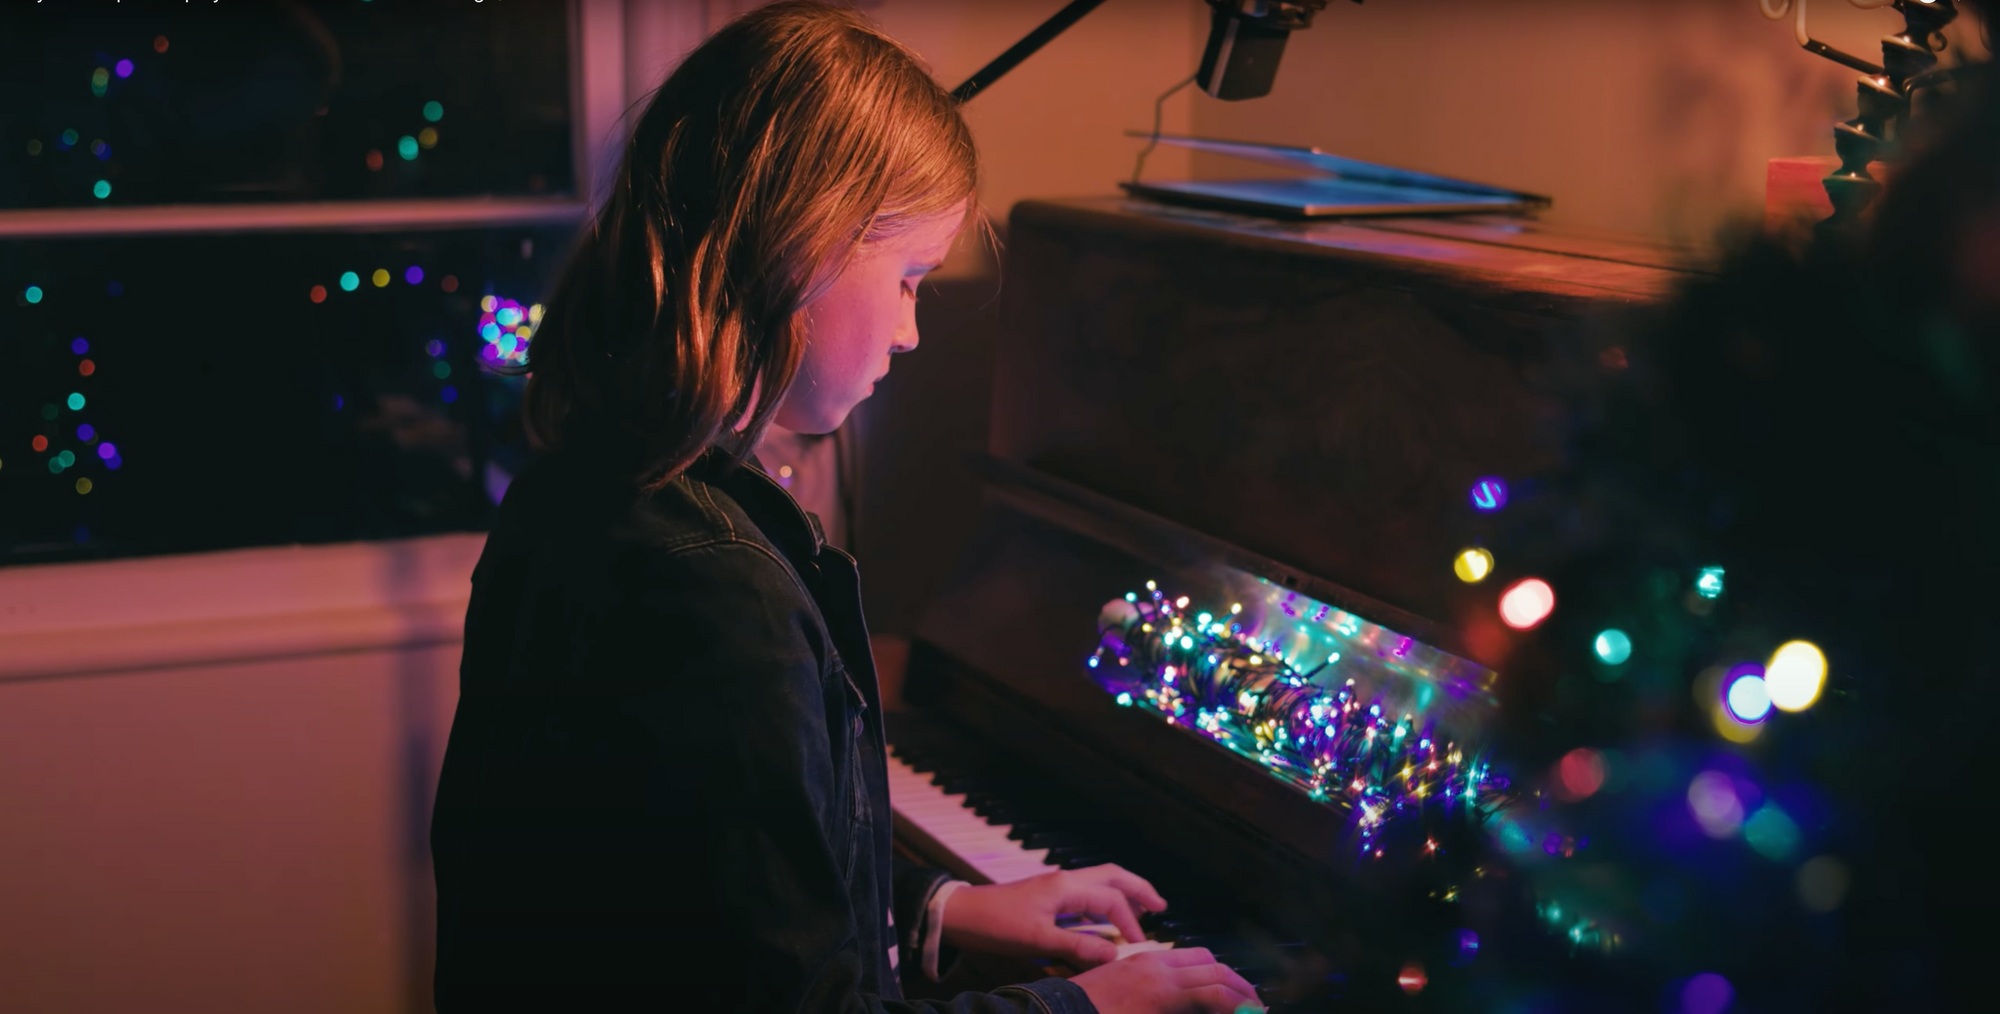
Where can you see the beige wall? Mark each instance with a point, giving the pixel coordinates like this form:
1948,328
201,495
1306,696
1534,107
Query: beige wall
215,777
1645,117
1636,116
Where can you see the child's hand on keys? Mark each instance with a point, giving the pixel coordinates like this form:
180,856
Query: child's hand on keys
1179,980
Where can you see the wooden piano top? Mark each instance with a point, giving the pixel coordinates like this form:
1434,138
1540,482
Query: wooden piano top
1509,254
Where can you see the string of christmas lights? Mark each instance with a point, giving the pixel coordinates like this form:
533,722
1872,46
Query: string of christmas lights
1335,742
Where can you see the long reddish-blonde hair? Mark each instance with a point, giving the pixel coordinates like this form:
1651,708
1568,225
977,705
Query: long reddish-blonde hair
792,136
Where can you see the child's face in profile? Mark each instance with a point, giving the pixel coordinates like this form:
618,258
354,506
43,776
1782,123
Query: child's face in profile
868,314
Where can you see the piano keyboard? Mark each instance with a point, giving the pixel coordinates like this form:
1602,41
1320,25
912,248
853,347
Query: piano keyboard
979,814
944,826
947,829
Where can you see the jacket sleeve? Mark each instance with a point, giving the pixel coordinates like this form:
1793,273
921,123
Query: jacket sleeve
755,724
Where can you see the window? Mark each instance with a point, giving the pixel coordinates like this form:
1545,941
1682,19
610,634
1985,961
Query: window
257,263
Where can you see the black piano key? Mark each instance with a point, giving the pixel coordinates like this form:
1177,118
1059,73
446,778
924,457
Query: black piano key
1051,839
1022,829
1080,860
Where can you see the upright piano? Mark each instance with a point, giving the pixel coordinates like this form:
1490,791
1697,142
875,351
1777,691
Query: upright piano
1262,434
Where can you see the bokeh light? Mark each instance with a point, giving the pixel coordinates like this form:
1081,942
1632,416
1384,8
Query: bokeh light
1612,646
413,275
1473,565
1412,978
373,159
1821,883
1527,603
101,189
86,368
449,394
349,281
406,146
67,457
1772,833
75,401
1796,673
434,348
100,81
86,433
123,69
1489,494
380,278
450,283
1708,583
107,450
318,294
159,44
428,138
503,326
40,443
1581,772
32,293
83,486
1730,729
1466,946
79,345
1707,993
68,139
1748,698
1712,797
441,369
433,110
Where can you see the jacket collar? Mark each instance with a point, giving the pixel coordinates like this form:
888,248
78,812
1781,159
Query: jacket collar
768,504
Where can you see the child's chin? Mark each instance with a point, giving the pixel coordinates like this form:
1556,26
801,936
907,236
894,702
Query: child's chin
824,421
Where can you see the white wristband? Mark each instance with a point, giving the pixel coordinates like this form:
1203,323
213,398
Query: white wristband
934,926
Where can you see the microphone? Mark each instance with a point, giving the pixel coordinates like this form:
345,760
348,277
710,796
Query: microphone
1246,38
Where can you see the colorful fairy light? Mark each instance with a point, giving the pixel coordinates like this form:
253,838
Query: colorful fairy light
1527,603
1708,583
1472,565
1796,673
1332,739
1771,833
1712,798
1412,979
1489,494
1581,773
1821,883
1707,993
506,327
1613,646
349,281
1747,695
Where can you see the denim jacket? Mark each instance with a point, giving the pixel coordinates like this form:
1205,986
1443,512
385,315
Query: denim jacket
665,785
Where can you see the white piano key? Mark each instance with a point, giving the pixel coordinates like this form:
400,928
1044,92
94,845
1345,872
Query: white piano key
947,830
961,839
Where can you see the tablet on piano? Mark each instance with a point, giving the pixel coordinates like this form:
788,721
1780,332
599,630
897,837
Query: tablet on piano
1338,186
